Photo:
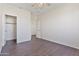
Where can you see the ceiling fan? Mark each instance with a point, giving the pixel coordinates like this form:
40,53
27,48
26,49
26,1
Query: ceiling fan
40,5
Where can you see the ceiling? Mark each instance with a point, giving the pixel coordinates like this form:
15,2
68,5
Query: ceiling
29,7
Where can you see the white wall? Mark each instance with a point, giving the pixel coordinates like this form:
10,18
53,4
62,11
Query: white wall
61,25
33,24
38,27
23,23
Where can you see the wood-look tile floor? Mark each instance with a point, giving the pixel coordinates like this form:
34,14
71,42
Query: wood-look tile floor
37,47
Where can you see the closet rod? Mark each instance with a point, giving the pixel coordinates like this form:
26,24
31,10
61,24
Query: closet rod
10,23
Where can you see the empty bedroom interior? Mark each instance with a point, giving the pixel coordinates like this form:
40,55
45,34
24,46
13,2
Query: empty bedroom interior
39,29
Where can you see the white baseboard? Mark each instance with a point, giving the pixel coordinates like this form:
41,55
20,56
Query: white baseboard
62,43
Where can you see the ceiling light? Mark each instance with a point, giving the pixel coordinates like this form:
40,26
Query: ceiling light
40,5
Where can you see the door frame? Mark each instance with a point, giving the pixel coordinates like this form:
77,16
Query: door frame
3,25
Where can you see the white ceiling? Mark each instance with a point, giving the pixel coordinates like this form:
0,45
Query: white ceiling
29,7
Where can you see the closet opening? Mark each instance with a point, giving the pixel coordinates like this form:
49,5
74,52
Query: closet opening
10,28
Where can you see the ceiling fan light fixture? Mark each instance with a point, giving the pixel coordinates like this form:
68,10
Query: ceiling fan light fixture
40,5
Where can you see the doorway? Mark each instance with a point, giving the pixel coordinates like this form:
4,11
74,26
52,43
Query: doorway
10,28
